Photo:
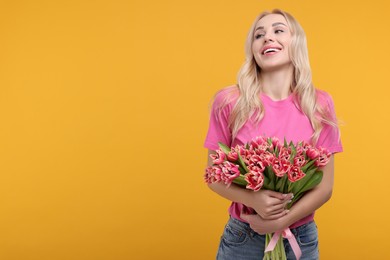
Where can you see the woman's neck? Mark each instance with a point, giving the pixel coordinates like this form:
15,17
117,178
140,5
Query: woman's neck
277,84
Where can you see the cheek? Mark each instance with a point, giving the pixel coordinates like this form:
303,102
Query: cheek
257,45
287,43
255,49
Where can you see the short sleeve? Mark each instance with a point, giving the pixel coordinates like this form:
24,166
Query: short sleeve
218,130
330,136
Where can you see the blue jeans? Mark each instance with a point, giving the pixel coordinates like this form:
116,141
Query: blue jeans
240,242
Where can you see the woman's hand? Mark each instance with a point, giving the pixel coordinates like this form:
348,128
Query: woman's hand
263,226
269,204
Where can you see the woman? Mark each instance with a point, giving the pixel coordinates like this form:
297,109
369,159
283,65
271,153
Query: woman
274,97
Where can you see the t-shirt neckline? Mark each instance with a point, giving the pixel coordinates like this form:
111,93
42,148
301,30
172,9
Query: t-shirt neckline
281,102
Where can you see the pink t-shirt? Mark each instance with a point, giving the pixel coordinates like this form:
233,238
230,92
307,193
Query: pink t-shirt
282,119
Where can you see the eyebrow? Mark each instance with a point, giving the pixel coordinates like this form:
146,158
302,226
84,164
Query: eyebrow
273,25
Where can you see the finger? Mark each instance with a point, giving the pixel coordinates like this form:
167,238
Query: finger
289,196
276,195
279,197
276,211
278,215
273,212
286,202
273,202
279,206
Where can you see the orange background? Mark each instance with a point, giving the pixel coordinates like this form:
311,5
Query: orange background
104,110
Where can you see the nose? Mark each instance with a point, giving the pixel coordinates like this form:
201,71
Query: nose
268,37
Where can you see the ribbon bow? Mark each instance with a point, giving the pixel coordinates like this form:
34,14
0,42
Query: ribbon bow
291,238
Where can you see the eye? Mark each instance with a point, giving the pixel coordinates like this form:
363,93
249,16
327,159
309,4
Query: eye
258,36
278,30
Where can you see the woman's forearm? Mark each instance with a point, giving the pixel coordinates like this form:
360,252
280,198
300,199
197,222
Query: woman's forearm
232,193
309,203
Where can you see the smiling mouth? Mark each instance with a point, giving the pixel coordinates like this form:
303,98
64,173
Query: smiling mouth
271,50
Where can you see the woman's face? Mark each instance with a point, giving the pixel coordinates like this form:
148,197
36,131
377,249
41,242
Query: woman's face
271,43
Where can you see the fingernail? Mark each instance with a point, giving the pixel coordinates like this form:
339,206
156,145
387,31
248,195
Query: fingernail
287,211
289,201
285,195
292,196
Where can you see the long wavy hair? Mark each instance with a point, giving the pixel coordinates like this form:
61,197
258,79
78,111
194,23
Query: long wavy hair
248,103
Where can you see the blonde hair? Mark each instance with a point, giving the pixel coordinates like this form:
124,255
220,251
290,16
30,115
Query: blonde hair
248,87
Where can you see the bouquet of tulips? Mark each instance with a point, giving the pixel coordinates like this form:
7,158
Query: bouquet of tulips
267,163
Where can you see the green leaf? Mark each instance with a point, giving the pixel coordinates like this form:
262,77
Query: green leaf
293,153
267,180
277,152
278,185
307,183
314,181
240,180
272,177
266,183
242,163
298,185
267,171
281,183
313,166
285,142
293,149
224,148
242,170
306,166
269,140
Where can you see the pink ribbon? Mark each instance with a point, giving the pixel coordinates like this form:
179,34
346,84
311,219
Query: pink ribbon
291,238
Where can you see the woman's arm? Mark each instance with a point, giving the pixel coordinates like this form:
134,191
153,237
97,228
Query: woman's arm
268,204
310,202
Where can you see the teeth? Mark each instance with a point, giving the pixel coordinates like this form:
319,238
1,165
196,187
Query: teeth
271,49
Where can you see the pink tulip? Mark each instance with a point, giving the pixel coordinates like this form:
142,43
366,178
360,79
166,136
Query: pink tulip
258,141
261,149
277,168
306,146
250,152
208,175
299,150
268,159
299,161
257,161
219,157
232,156
280,167
312,153
248,155
285,165
213,174
241,150
285,153
323,157
276,142
255,180
230,171
295,174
